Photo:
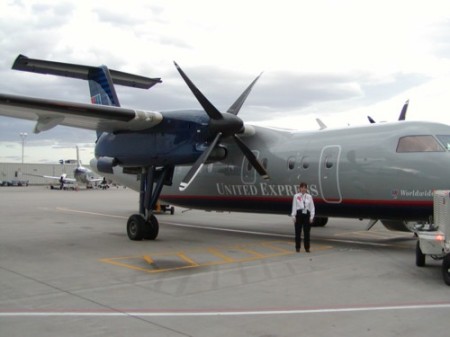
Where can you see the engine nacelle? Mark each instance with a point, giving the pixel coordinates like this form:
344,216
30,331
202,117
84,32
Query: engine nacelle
106,164
217,154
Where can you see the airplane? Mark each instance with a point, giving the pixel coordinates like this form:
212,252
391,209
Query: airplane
210,160
81,175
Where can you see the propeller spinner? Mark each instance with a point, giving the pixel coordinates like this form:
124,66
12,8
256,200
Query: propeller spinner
223,125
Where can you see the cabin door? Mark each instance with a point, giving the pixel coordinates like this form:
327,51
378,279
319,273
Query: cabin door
248,173
329,174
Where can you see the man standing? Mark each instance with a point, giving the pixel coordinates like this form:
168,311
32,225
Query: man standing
303,212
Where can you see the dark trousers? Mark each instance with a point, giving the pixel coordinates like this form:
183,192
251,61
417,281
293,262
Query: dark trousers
302,223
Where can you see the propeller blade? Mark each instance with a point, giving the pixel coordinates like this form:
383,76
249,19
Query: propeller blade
402,116
210,109
195,169
251,158
234,109
371,120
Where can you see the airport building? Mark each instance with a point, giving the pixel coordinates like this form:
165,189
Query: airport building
18,173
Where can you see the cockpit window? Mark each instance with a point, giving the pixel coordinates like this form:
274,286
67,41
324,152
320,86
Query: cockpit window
419,144
445,140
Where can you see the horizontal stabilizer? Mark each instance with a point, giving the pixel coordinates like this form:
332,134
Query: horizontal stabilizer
79,71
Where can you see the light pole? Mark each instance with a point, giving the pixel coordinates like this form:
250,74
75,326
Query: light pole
23,135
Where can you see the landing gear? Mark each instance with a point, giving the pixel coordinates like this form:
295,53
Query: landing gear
145,225
138,228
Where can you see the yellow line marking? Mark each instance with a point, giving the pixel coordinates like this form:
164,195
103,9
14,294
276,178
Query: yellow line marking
220,255
148,259
252,252
133,262
187,259
126,265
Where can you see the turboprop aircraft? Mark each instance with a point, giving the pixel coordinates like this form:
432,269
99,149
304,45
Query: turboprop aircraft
210,160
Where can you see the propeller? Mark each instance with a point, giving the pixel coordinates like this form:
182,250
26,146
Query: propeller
222,125
401,117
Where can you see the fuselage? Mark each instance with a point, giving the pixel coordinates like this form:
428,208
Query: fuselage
83,175
382,171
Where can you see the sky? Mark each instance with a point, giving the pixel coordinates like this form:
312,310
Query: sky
339,61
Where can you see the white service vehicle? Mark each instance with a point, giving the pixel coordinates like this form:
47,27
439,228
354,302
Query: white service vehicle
434,240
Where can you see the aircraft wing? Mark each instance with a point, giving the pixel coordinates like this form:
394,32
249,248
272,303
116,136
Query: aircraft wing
66,180
94,180
50,113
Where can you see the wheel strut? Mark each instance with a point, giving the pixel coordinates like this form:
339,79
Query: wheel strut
145,225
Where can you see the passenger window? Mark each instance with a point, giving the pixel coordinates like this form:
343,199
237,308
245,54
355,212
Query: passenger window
305,163
291,163
418,144
328,162
445,140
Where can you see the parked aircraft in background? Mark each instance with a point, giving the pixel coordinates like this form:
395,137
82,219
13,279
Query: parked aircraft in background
210,160
81,175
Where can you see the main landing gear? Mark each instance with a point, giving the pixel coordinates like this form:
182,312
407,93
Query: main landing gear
145,225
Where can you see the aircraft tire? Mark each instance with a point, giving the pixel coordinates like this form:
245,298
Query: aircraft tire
151,228
136,227
420,257
446,269
319,222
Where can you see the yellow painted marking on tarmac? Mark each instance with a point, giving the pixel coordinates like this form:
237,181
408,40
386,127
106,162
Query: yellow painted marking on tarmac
187,259
210,255
252,252
115,262
219,254
148,259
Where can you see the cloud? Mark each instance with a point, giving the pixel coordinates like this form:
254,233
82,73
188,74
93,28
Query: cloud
319,58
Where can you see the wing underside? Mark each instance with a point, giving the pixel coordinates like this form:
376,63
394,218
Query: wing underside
49,113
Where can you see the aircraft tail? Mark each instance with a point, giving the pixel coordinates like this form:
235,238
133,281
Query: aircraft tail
78,157
101,79
101,87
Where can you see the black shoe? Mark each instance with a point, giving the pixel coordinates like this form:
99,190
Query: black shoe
307,250
297,250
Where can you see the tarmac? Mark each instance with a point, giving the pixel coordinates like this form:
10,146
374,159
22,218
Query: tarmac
67,268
